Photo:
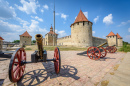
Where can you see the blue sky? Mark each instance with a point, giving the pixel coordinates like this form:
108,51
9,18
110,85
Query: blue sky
36,16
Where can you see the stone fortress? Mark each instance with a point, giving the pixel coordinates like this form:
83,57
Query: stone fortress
1,42
25,38
81,35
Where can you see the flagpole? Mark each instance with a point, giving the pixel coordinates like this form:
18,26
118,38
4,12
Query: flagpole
54,26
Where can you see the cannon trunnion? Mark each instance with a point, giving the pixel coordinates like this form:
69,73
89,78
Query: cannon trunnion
18,60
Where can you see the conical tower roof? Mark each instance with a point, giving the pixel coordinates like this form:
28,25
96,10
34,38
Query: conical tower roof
80,17
26,34
1,38
111,34
118,36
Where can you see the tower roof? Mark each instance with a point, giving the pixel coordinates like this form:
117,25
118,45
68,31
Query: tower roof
51,27
118,36
1,38
80,17
26,34
111,34
51,31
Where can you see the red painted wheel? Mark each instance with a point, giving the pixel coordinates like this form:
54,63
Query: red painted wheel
115,48
57,62
112,50
108,49
103,52
16,67
93,53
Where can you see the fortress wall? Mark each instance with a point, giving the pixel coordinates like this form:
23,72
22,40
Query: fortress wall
120,42
64,40
43,40
25,40
98,41
112,40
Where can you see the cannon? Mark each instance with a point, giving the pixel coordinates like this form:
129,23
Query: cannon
18,60
98,52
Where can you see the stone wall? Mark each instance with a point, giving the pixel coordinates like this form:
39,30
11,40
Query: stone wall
49,39
43,40
25,40
1,44
112,40
64,40
119,42
81,34
98,41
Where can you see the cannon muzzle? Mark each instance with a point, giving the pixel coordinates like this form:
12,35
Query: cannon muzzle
39,39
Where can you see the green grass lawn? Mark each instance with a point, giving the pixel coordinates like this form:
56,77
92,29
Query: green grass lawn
125,48
51,48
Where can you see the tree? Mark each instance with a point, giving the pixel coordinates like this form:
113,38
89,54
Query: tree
34,41
16,41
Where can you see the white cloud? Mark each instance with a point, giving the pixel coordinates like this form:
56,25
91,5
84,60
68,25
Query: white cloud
42,10
61,33
75,17
95,20
124,23
39,19
64,16
7,27
6,11
86,14
23,22
128,29
28,7
45,7
57,14
93,32
108,19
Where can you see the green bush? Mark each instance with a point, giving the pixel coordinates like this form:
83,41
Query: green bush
125,47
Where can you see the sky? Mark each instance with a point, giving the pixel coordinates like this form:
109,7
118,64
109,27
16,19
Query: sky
36,16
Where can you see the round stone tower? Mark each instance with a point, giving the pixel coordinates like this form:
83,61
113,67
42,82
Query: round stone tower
81,31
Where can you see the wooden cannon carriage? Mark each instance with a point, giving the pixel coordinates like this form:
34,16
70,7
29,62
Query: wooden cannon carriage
18,60
98,52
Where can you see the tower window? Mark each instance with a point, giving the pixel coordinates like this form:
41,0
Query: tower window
113,36
78,23
83,23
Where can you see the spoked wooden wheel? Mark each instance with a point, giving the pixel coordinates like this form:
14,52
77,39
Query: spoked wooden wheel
108,49
57,60
115,48
93,53
112,49
103,52
16,66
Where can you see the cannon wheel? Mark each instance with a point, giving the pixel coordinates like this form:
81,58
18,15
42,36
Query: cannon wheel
93,53
103,53
115,48
108,49
57,62
16,68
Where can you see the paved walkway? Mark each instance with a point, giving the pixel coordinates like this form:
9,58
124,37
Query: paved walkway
77,70
122,75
